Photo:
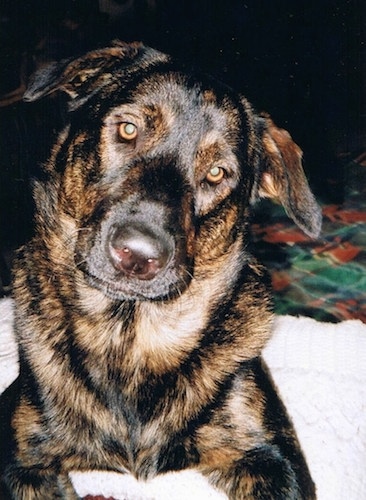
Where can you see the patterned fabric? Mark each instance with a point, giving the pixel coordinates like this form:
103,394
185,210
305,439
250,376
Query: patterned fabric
326,278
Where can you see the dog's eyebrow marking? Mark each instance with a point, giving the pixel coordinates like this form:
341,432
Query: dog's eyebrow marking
213,150
118,115
159,119
209,96
209,156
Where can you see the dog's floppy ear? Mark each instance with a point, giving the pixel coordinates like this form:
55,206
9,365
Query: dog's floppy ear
82,77
282,178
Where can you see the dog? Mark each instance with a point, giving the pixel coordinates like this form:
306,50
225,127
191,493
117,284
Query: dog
140,312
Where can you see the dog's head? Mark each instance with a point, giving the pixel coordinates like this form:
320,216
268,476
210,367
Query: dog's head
154,175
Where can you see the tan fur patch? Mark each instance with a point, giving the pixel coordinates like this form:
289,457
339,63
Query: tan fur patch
167,332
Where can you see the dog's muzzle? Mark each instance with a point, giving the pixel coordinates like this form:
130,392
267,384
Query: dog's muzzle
137,251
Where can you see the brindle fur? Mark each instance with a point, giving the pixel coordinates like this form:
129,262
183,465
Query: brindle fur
162,373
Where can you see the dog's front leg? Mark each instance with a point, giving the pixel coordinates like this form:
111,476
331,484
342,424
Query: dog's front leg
24,473
249,449
19,483
262,474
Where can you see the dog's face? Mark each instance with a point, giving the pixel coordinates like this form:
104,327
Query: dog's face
169,156
160,170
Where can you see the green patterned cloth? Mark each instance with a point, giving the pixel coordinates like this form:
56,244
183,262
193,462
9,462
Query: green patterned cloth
325,278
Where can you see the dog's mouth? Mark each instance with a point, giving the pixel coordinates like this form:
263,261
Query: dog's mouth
128,288
137,261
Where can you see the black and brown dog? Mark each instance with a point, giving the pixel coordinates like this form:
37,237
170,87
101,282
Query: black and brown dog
140,314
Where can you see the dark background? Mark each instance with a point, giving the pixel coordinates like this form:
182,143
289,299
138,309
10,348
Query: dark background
303,62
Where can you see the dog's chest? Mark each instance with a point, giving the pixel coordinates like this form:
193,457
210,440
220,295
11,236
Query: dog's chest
141,449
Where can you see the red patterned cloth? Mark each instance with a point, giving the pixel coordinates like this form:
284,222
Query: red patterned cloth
326,278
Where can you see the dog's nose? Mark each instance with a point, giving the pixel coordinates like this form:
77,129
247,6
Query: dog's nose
138,252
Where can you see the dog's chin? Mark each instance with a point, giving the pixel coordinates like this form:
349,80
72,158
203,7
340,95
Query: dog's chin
130,289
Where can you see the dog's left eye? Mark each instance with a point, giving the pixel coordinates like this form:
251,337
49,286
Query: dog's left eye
127,131
215,175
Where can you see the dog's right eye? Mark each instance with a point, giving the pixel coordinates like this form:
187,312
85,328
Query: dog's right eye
215,175
127,131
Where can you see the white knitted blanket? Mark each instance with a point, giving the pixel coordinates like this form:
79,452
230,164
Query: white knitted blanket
320,370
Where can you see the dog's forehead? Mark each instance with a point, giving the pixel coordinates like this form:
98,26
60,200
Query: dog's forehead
186,96
188,105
